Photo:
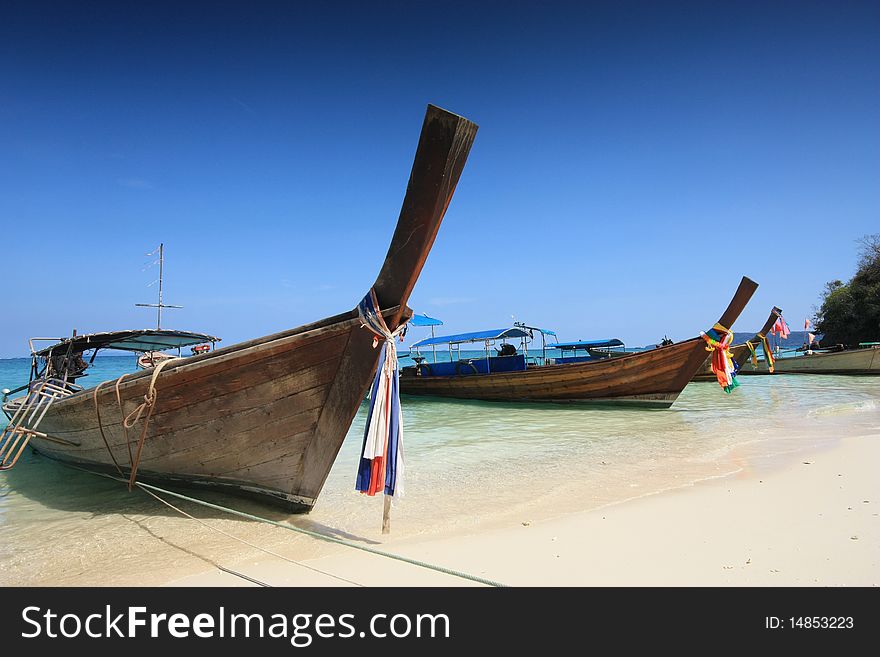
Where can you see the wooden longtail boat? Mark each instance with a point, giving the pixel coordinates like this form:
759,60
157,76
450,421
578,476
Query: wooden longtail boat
264,417
865,360
741,352
649,378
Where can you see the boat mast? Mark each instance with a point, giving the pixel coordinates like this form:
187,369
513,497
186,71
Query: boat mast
159,306
161,268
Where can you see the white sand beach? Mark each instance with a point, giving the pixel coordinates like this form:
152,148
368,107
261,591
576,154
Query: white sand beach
812,522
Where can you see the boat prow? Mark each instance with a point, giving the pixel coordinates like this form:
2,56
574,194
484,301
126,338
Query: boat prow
741,352
264,417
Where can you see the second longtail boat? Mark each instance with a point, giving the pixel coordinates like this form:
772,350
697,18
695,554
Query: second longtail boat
650,378
864,359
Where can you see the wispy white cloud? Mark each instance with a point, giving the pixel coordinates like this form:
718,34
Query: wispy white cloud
449,301
135,183
244,106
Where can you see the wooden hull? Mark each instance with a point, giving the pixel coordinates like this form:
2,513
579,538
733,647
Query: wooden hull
266,417
650,378
227,419
855,361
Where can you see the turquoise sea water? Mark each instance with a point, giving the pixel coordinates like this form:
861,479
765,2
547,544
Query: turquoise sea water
469,465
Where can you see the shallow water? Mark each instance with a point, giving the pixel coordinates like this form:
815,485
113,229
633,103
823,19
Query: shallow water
469,465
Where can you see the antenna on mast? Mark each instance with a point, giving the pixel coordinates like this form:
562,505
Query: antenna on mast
159,306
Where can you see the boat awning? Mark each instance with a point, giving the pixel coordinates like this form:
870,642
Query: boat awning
539,330
424,320
478,336
588,344
138,340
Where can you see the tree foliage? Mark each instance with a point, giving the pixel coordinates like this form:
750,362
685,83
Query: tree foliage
850,312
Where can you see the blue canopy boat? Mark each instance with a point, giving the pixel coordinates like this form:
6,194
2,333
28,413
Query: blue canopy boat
424,320
505,358
420,321
654,377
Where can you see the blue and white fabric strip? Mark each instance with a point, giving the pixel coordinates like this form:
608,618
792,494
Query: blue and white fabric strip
381,466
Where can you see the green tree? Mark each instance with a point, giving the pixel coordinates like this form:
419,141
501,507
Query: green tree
850,312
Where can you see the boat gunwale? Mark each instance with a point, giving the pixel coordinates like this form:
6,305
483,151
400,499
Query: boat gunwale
339,323
785,361
568,367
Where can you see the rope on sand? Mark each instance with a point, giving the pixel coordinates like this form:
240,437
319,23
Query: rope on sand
307,532
241,540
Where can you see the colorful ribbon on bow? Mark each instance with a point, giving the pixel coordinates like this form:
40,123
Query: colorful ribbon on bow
768,352
753,353
381,466
718,340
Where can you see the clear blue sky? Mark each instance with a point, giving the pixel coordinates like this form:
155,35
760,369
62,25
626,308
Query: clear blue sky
633,160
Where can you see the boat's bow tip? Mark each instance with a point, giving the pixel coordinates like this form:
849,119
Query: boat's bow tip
437,111
443,147
740,299
749,282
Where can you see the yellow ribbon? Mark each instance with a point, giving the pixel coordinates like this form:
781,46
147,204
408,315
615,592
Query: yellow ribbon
751,347
768,354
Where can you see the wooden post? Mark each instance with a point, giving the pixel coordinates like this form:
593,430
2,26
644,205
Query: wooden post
386,516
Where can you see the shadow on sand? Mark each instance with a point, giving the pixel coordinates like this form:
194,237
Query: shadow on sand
64,488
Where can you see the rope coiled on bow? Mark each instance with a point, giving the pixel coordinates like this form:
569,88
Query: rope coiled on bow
128,421
148,405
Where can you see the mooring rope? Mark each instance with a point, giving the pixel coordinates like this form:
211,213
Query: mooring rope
330,539
149,404
241,540
128,421
122,419
101,427
243,576
307,532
